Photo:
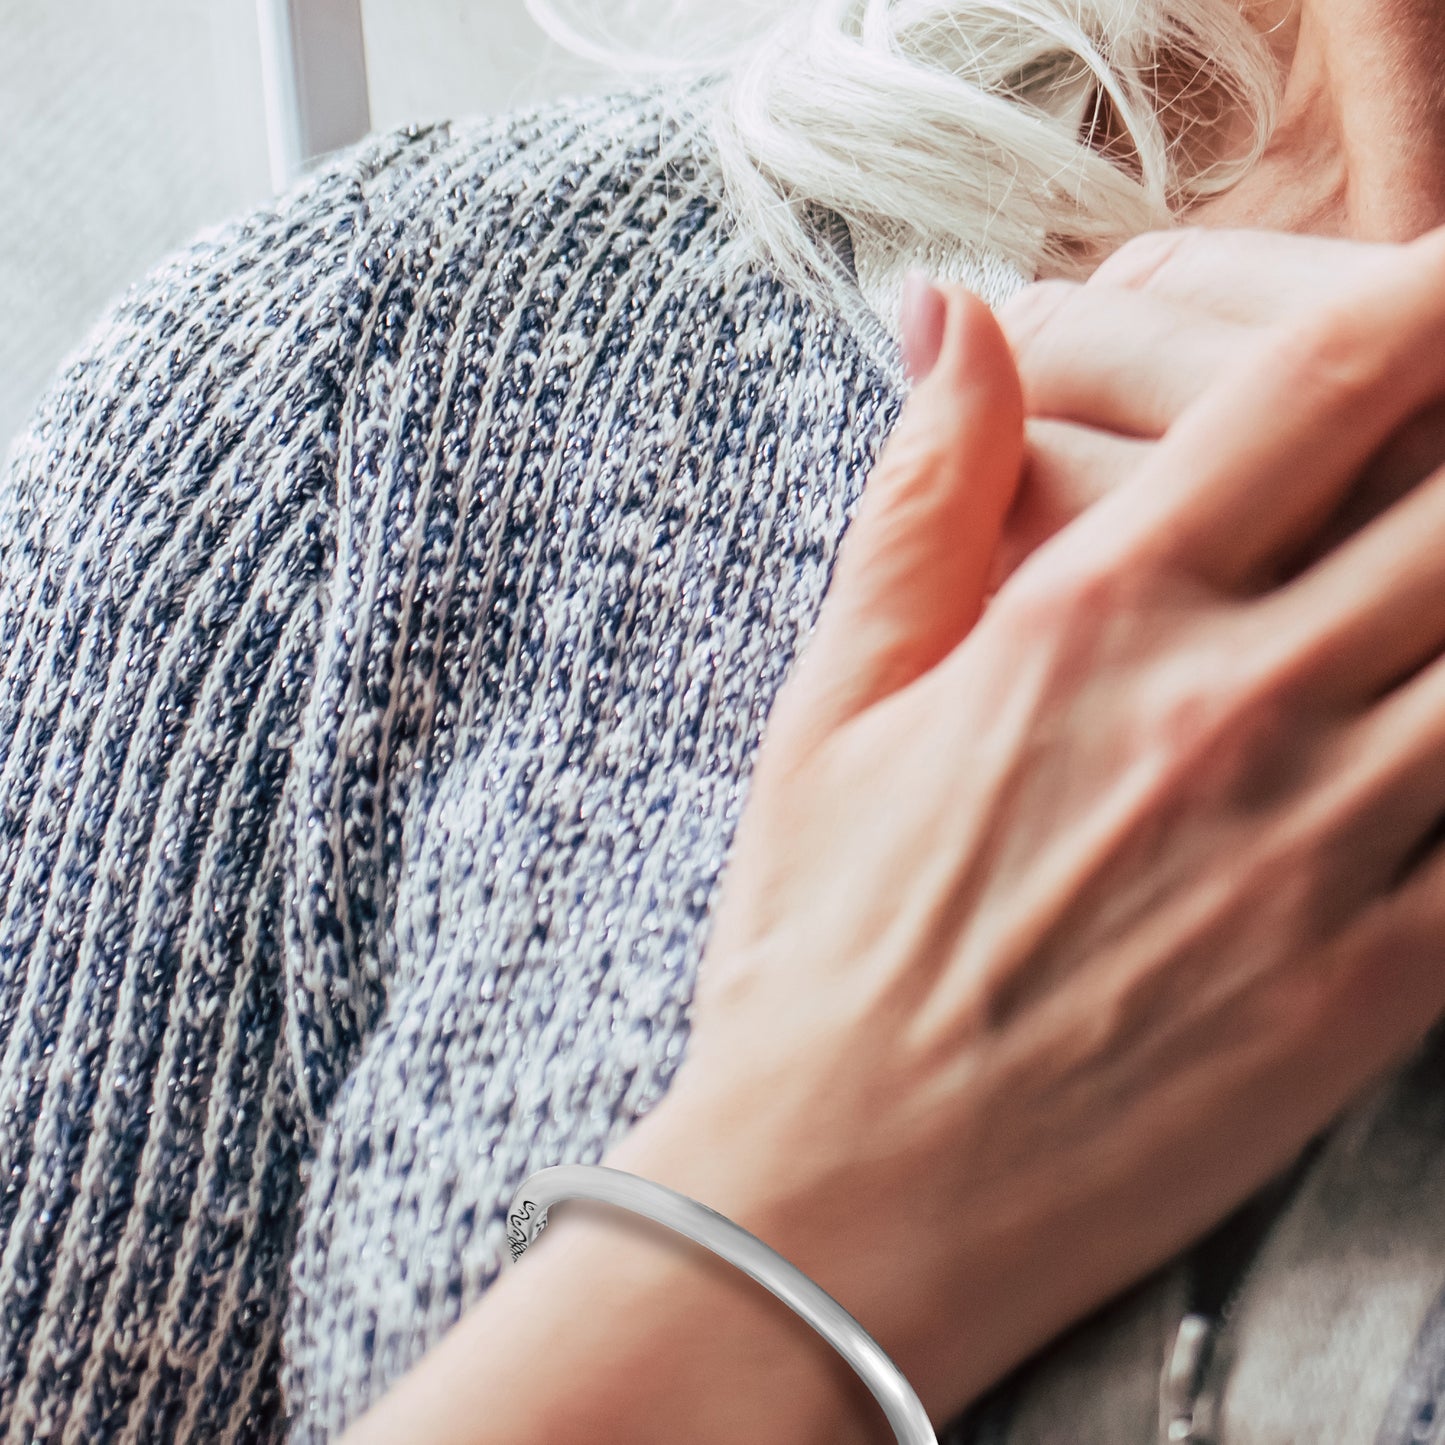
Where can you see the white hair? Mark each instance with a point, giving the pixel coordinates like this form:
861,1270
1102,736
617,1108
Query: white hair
1048,129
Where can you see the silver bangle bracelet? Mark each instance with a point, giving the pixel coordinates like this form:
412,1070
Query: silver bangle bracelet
528,1217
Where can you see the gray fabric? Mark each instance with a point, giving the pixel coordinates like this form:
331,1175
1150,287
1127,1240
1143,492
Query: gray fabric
1099,1385
392,594
1325,1329
1323,1337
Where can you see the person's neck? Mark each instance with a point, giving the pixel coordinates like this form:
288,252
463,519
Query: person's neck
1360,147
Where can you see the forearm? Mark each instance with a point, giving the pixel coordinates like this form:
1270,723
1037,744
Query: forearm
617,1332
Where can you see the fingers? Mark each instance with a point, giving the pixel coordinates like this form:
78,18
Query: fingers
1409,457
1156,327
1392,965
1262,462
1067,469
1374,608
1164,317
911,574
1252,278
1115,359
1403,742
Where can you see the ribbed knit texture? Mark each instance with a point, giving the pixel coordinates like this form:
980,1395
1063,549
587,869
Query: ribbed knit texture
394,588
168,527
595,506
393,591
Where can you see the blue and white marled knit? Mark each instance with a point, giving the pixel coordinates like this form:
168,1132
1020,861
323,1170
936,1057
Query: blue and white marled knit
395,585
393,590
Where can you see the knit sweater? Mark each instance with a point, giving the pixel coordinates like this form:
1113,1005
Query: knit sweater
393,590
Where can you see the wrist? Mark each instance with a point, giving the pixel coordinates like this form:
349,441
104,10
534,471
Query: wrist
761,1345
616,1330
948,1305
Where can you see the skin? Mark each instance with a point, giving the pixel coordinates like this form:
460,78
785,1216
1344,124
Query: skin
1108,366
1122,601
1360,148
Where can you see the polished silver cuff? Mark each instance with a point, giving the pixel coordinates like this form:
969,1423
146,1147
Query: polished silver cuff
528,1217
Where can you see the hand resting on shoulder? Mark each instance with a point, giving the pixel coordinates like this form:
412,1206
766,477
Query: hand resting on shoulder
1053,929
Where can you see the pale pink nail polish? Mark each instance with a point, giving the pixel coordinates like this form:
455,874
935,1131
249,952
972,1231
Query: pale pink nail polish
921,324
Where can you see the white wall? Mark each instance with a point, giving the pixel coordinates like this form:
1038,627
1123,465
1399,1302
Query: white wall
128,125
434,58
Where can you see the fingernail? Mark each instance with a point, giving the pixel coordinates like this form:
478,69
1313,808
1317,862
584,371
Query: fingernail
921,324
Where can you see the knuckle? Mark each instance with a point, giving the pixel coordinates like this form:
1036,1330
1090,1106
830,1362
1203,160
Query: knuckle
1329,356
1228,722
1143,261
1032,312
1075,587
1183,704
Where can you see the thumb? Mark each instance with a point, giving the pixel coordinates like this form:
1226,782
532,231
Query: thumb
912,574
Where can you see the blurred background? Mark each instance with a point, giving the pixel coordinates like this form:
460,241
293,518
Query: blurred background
129,125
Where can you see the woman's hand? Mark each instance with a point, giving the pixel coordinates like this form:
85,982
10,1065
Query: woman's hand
1108,366
1043,942
1046,941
